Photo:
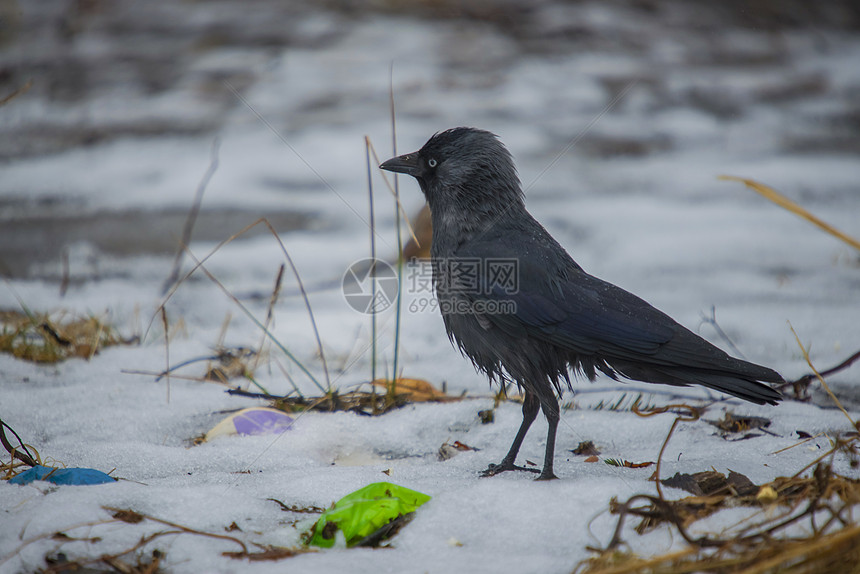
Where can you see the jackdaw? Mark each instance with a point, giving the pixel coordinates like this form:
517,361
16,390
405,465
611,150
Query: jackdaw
523,310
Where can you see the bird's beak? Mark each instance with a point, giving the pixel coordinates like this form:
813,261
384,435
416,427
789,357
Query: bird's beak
407,164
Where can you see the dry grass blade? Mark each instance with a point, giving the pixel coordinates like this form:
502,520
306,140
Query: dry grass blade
23,453
793,207
398,212
804,441
408,391
257,322
166,325
360,402
687,414
20,91
306,301
52,534
799,386
393,191
199,264
286,142
414,390
270,553
192,215
805,525
834,553
51,338
712,321
584,131
854,424
270,313
367,147
129,516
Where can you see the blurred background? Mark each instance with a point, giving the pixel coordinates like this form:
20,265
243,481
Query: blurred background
620,114
121,100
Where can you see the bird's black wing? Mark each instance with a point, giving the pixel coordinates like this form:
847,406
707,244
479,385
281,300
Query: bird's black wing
556,301
551,299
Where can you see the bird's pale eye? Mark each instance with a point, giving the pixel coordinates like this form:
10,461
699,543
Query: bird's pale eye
432,162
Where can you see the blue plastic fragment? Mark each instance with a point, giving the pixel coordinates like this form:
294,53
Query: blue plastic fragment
71,476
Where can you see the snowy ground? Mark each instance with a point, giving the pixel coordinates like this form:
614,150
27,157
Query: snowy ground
635,201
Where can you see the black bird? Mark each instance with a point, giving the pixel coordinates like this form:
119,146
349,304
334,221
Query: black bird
553,316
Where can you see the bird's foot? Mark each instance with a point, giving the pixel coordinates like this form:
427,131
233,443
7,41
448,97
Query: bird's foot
544,475
505,465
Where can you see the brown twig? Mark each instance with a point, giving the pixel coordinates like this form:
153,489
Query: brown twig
658,508
803,382
123,515
748,545
854,424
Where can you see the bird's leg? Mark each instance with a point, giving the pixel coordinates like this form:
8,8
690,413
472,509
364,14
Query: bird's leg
531,406
549,406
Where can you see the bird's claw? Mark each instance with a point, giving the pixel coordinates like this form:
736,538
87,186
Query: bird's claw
504,466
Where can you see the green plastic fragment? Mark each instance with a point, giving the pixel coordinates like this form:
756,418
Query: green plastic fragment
363,512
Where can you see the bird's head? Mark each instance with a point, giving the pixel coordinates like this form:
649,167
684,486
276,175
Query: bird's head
463,169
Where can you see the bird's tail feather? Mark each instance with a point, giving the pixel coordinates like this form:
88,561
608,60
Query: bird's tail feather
745,385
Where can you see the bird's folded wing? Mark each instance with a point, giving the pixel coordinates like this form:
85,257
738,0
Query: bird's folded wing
589,316
586,315
572,309
556,301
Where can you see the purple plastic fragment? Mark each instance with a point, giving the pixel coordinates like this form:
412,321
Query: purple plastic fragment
258,421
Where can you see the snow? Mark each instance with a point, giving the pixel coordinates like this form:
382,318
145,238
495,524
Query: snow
656,222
